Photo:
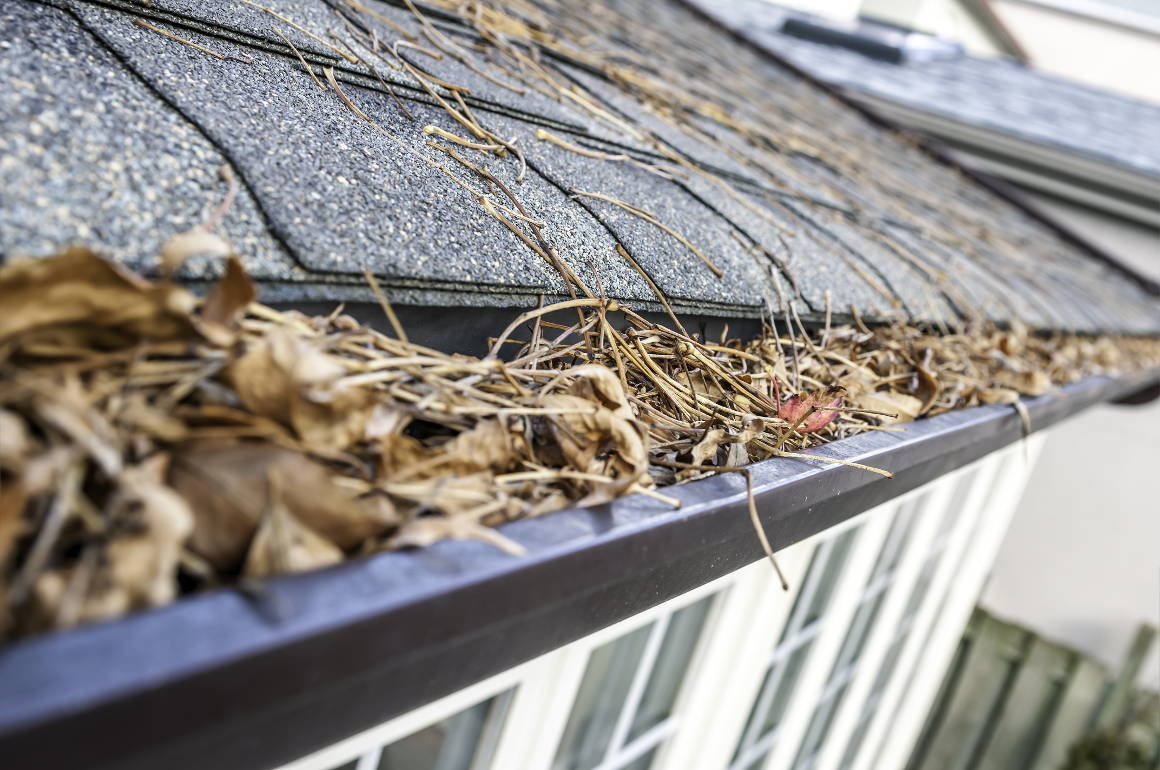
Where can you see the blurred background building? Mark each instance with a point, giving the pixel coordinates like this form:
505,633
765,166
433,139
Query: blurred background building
1059,99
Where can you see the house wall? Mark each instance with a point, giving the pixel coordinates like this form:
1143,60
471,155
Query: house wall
1081,563
1084,42
1135,244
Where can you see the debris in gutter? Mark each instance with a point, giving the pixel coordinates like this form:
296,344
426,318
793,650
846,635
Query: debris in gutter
154,444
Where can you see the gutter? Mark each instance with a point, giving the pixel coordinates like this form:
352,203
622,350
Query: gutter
255,678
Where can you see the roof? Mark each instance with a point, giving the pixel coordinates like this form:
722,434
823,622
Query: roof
785,184
1003,95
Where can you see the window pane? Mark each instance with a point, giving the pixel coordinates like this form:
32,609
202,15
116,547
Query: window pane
606,682
785,688
669,670
457,743
835,559
859,632
958,501
895,543
855,743
781,679
819,728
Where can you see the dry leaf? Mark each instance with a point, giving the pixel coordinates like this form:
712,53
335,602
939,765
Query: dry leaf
225,484
195,242
907,407
815,410
79,288
705,450
15,443
284,544
426,530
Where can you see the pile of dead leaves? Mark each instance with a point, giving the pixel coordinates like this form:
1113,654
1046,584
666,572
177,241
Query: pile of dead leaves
153,443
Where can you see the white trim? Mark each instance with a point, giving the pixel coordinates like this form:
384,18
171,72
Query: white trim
846,598
913,654
407,724
1075,164
613,757
923,544
1101,12
1014,464
732,663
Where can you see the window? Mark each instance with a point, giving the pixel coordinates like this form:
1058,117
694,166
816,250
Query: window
462,742
946,525
806,620
870,604
623,709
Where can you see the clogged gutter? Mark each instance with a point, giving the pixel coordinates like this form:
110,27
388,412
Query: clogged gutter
153,444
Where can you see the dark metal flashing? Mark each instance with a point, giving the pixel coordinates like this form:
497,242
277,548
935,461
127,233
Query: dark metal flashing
252,679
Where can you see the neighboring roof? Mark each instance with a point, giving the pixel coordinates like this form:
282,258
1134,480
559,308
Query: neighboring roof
112,133
999,94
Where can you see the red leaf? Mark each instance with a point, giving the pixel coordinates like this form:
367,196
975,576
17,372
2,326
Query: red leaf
800,405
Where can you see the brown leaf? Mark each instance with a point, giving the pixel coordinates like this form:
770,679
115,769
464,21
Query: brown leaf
596,430
705,450
144,563
489,446
77,287
229,296
450,494
225,484
998,395
426,530
293,381
67,411
195,242
15,443
284,544
13,498
907,407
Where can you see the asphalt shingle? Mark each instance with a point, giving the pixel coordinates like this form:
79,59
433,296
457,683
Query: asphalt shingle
113,134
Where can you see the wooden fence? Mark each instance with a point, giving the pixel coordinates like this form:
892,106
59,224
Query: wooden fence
1012,700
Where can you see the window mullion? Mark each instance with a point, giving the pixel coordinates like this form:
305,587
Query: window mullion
860,561
639,681
728,671
950,553
370,760
895,594
641,745
789,642
540,711
1013,466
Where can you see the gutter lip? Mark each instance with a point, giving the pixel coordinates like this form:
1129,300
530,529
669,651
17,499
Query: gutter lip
230,680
